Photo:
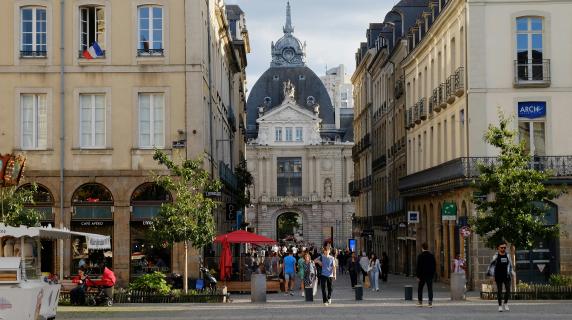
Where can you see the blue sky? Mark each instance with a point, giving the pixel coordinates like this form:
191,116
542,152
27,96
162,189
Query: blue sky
332,30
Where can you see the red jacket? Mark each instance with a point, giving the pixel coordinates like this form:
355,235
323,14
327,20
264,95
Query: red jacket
107,279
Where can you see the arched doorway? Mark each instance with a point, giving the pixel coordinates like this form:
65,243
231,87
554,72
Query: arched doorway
146,256
289,227
92,212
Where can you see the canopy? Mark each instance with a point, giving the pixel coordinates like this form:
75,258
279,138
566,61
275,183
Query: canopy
225,263
94,241
241,236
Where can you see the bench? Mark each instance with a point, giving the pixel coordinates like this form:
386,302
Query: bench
244,286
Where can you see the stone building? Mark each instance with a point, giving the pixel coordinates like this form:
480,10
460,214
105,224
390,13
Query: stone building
87,109
299,155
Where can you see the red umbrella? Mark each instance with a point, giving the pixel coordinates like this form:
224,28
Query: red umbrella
241,236
225,263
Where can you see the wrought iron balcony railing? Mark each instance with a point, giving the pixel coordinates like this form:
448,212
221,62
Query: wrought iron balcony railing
227,176
532,73
422,104
81,56
449,90
33,54
442,98
399,88
150,52
461,170
459,82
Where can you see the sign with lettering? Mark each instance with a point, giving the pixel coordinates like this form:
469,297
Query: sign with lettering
412,216
531,109
449,211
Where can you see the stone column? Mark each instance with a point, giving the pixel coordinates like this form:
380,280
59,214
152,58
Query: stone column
121,243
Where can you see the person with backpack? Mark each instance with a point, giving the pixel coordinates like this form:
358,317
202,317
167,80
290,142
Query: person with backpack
328,264
501,269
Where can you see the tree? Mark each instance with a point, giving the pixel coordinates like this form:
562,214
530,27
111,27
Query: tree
13,209
189,218
287,225
515,209
244,181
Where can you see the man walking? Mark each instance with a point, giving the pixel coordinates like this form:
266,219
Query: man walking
327,262
425,274
289,269
501,268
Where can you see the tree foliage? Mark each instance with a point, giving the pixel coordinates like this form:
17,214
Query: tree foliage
189,218
13,210
513,212
244,181
287,224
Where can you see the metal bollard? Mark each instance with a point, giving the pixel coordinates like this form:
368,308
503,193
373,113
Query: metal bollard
408,293
359,292
309,294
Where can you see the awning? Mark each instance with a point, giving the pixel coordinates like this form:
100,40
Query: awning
241,236
94,241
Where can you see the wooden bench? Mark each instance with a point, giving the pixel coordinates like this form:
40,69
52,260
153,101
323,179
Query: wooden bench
244,286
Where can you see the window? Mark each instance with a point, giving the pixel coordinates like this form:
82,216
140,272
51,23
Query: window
151,120
150,31
529,49
289,179
278,134
92,120
34,121
533,135
288,134
299,134
92,33
33,32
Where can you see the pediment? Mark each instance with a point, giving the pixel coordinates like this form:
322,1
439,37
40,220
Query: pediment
289,112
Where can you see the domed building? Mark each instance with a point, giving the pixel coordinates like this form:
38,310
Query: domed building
299,151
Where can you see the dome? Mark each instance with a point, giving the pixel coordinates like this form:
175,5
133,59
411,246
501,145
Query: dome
288,50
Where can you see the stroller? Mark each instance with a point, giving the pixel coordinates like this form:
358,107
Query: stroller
102,297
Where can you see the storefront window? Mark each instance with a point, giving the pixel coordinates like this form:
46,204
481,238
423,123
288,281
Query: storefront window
147,256
92,212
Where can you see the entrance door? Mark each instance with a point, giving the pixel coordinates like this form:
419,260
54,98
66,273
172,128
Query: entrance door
289,227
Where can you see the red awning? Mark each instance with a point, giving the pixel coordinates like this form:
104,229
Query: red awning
241,236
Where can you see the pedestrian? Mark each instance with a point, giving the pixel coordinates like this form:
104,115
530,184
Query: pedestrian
384,266
501,268
354,269
301,272
309,273
425,274
364,263
289,268
374,270
328,264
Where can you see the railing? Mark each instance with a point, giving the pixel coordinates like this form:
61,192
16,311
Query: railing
464,168
357,186
450,92
435,98
430,104
399,88
33,54
416,113
379,162
422,108
360,146
293,199
459,82
532,73
80,55
150,52
227,176
442,95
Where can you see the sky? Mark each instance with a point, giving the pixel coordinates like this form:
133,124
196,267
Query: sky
332,30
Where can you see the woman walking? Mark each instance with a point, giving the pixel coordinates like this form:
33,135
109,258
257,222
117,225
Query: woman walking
301,272
374,270
384,266
354,269
501,268
309,273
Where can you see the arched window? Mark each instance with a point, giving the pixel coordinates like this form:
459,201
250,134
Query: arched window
147,199
43,201
92,201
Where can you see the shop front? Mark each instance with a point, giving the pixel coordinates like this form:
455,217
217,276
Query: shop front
92,212
147,255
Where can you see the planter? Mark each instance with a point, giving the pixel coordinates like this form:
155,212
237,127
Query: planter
534,292
151,297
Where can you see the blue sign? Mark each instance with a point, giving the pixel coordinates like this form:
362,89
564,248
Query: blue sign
352,245
238,219
532,109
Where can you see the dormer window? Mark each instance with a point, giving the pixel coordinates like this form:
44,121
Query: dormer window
302,77
275,77
310,101
267,101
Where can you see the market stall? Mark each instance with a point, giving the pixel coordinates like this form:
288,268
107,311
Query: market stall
228,264
24,292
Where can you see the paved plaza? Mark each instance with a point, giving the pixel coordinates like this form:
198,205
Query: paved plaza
386,304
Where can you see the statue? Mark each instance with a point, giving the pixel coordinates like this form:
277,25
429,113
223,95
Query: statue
289,90
327,188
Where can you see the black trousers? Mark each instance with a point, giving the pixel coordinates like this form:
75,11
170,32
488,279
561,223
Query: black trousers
384,275
364,274
506,283
326,284
422,283
353,278
77,296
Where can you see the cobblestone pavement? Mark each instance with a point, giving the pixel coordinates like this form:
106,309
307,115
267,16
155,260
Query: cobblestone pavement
386,304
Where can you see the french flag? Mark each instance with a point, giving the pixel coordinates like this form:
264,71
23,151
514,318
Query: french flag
93,52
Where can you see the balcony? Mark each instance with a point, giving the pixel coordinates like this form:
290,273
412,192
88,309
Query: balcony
461,171
360,146
435,100
399,88
422,105
33,54
150,52
379,163
288,199
227,176
441,91
449,90
81,56
416,114
459,82
532,73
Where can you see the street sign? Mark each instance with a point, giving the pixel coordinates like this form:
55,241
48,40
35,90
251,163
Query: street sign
412,216
449,211
352,245
465,232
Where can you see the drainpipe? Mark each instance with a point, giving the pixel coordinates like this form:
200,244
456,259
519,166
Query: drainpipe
209,68
62,130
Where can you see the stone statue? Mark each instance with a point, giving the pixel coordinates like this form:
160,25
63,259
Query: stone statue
289,90
328,188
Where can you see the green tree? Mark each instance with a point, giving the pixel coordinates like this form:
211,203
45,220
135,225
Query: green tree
287,223
13,209
512,211
189,218
244,181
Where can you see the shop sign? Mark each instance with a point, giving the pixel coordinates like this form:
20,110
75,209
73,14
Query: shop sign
449,211
230,211
412,216
532,109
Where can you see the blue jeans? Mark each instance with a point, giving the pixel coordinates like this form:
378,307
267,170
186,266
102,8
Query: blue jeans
374,277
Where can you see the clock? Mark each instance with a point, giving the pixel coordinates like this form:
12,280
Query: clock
288,54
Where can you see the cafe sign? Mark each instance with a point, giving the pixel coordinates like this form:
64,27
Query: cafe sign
449,211
532,109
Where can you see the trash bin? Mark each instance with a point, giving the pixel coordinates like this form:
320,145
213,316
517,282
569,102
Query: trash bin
408,293
309,294
359,292
458,282
258,288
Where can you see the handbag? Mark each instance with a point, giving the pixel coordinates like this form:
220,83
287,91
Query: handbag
366,283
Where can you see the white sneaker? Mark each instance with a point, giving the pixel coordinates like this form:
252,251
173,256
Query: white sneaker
505,306
329,301
500,308
303,294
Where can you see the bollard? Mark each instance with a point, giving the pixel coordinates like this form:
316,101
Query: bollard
458,281
359,292
258,288
309,294
408,293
